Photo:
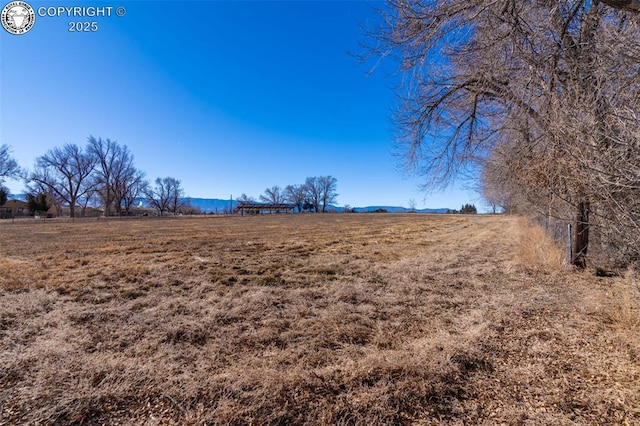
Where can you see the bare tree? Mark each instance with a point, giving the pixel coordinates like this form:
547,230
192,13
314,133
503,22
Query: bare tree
67,173
114,167
327,186
549,87
8,166
273,195
295,194
313,193
92,198
412,205
176,199
493,186
8,169
165,195
245,199
130,189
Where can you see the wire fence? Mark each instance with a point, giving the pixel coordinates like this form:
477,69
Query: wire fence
561,231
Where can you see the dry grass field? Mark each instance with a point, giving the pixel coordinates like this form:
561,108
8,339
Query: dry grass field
336,319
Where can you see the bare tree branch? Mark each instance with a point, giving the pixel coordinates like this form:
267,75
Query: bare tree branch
542,97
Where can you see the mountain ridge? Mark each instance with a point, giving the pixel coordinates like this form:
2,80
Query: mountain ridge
217,205
213,205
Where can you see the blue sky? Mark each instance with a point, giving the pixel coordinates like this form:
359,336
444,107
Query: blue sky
228,97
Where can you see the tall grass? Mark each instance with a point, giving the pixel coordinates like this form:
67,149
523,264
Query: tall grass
536,251
625,309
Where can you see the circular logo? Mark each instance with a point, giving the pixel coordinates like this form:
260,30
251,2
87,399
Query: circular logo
18,17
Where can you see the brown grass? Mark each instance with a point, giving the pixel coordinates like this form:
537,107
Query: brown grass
537,252
309,319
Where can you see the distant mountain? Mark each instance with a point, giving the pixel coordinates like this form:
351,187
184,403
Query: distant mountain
395,209
216,205
213,205
21,197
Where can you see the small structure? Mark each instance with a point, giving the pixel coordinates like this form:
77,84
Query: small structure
258,208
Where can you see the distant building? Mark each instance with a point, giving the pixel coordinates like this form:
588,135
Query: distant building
18,208
14,208
257,208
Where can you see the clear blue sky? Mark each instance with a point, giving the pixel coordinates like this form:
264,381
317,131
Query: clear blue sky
228,97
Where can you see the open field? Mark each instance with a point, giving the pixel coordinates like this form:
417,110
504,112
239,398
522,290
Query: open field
310,319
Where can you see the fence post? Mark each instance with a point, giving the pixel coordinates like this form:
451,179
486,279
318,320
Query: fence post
569,245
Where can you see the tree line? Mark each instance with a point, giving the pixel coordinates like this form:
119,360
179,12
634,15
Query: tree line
315,194
465,209
539,100
101,173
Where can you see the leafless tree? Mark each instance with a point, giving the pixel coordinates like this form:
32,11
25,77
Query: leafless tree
165,195
494,187
245,199
8,169
130,189
327,186
8,166
412,205
313,192
544,92
295,194
67,173
273,195
93,199
176,199
114,166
